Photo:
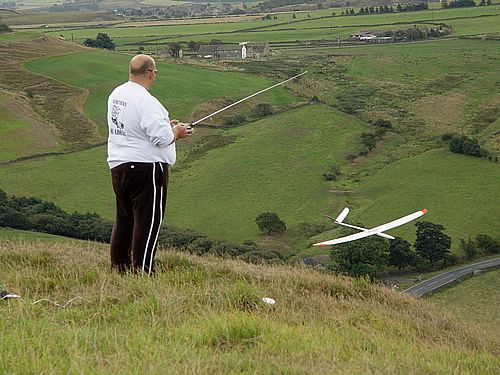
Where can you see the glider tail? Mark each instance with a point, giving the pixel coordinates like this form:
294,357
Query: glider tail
342,216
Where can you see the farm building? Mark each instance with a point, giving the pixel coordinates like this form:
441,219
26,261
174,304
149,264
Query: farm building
257,50
239,51
223,51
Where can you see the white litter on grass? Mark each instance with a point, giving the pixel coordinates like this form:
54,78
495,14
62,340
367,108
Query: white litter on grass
268,300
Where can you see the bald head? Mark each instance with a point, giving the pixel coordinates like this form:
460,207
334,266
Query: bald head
141,64
142,70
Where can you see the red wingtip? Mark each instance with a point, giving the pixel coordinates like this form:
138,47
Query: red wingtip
424,211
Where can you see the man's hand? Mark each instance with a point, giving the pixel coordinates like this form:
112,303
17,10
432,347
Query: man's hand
181,130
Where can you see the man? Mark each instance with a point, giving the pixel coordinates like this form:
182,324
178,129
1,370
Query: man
141,146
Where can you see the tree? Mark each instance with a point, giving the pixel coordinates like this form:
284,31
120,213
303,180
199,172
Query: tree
4,28
174,49
269,222
469,247
102,41
193,46
359,258
431,243
400,254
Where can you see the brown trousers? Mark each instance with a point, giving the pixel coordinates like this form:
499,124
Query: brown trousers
141,196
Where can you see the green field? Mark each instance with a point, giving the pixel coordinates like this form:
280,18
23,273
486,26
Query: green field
180,88
476,299
285,28
206,316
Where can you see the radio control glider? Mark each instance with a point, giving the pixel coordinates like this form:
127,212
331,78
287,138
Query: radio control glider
366,232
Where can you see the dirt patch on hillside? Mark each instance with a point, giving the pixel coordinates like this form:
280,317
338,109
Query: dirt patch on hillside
441,113
44,133
208,107
52,102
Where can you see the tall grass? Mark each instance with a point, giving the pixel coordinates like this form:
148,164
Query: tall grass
205,316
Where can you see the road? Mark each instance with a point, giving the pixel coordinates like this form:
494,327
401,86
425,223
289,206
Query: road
444,279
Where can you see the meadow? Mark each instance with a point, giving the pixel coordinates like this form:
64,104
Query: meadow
206,316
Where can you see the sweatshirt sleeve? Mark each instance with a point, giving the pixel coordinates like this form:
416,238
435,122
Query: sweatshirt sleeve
156,124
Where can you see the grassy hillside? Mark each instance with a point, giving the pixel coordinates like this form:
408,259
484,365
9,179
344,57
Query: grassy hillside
221,193
474,299
205,316
180,88
276,164
458,191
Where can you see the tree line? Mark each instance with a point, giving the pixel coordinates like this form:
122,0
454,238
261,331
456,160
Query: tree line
41,216
35,214
384,9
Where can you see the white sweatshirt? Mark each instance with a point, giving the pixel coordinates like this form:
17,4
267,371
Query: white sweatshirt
139,127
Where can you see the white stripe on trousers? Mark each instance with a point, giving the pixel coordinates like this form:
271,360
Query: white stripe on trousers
152,218
159,225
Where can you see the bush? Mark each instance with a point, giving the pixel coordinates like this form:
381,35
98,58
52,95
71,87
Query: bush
461,144
451,260
447,137
171,236
201,245
368,140
235,119
262,256
231,249
262,109
381,123
314,99
487,245
14,219
3,197
332,173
